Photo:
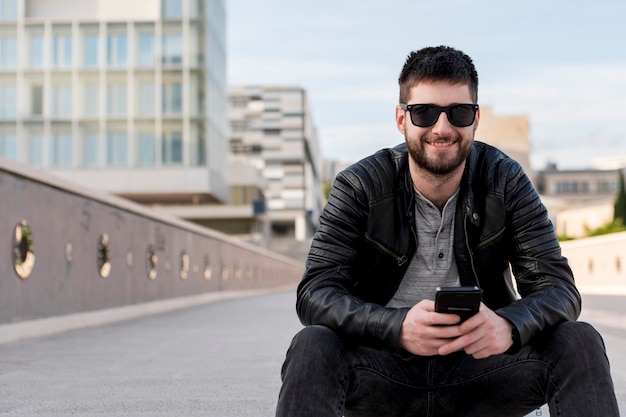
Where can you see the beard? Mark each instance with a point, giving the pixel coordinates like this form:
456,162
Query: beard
444,164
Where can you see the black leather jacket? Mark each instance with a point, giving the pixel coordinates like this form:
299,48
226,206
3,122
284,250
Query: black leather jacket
367,238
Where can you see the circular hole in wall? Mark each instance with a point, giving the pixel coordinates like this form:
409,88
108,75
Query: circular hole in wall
184,265
69,252
104,255
151,263
207,269
24,254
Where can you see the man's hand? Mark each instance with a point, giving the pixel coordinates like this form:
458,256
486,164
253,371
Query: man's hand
425,332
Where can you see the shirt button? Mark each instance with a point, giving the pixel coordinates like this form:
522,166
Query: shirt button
440,255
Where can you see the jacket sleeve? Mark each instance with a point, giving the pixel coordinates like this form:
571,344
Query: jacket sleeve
326,293
544,279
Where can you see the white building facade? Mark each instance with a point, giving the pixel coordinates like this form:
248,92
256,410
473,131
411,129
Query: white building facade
125,96
272,127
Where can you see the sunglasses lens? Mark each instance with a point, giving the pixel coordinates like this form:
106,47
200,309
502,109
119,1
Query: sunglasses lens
425,115
462,115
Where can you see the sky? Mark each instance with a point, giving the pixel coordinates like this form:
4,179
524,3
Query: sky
562,63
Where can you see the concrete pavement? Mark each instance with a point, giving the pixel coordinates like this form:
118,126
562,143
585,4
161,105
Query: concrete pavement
218,359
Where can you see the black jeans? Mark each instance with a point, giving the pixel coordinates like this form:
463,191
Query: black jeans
567,368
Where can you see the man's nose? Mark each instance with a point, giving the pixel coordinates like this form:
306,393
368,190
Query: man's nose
442,126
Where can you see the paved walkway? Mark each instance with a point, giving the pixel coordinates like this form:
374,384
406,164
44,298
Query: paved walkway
218,359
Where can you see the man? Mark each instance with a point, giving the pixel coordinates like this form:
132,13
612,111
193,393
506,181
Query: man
440,210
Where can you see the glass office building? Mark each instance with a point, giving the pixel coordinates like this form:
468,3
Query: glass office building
125,96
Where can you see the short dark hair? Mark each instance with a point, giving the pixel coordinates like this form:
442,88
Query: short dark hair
440,63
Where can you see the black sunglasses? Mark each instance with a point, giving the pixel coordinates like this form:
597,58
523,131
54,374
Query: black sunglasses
425,115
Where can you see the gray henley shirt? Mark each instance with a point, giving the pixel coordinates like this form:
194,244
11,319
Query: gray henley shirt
433,264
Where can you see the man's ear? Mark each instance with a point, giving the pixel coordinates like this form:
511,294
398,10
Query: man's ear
400,118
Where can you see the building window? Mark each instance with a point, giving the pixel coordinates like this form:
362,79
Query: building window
36,51
239,126
8,146
607,186
61,100
35,150
172,148
116,148
198,150
36,100
145,50
8,52
116,100
146,105
8,10
91,99
90,52
116,50
145,149
61,51
172,49
61,150
583,187
91,145
8,101
172,9
172,100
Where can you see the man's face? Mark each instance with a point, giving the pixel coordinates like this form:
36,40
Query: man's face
441,148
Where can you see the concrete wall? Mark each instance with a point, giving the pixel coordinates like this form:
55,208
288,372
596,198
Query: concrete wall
576,222
67,224
598,263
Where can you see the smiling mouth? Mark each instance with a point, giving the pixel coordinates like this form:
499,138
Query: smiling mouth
441,144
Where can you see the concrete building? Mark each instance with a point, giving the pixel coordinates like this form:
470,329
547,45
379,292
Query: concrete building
578,200
581,185
127,97
510,133
272,128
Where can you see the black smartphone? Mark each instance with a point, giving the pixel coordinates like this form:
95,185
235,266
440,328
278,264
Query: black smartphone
462,301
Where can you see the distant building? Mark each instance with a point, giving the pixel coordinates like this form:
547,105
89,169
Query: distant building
125,96
578,200
581,185
509,133
272,127
333,167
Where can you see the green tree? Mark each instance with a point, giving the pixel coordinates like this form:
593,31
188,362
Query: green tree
326,186
620,201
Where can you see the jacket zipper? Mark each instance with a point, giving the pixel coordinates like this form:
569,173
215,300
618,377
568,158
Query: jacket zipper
399,259
469,249
491,239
